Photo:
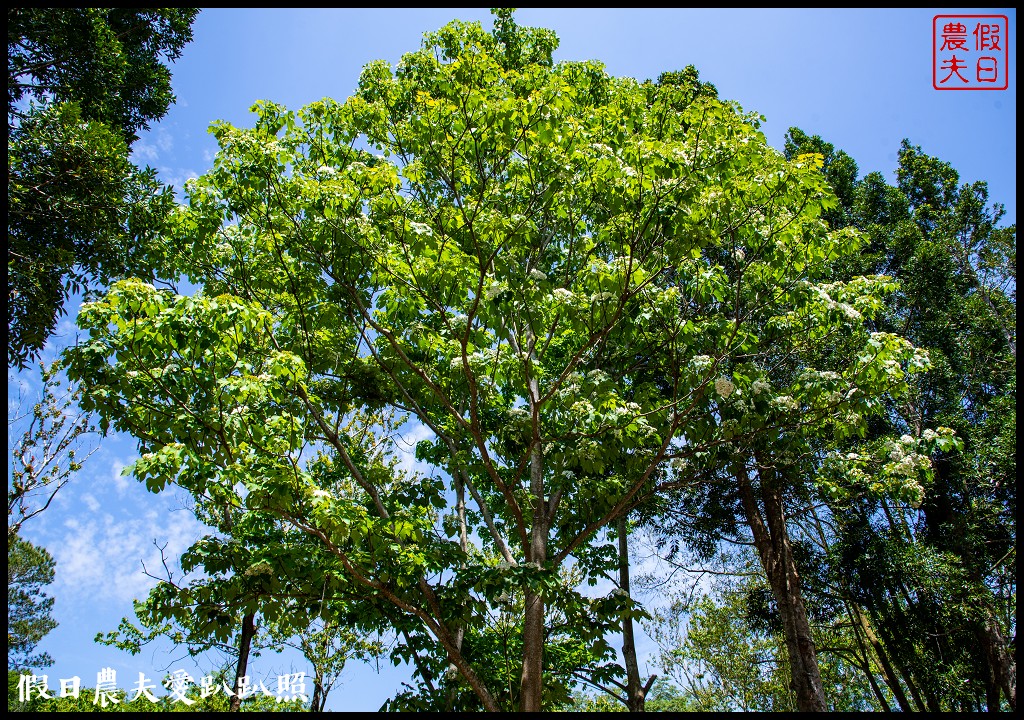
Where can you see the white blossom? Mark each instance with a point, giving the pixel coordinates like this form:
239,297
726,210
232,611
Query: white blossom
493,290
421,228
724,387
906,466
701,362
849,311
562,295
785,402
537,274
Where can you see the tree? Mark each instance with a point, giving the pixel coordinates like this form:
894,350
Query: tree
550,269
81,84
29,569
48,446
328,646
727,652
239,606
933,587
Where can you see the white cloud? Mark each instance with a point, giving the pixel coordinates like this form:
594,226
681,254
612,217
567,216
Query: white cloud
122,483
176,177
99,558
151,146
164,140
144,152
406,447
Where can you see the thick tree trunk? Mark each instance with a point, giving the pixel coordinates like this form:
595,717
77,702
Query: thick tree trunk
248,630
531,683
636,693
1002,668
318,696
771,538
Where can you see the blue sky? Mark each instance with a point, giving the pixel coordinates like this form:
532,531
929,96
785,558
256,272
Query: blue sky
860,78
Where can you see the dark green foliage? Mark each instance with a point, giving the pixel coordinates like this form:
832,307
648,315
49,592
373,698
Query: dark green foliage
109,61
934,580
29,619
81,84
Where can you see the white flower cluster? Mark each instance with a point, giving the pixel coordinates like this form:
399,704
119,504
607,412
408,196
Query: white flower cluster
421,228
701,363
738,255
260,568
519,414
895,452
537,274
908,466
929,434
724,387
785,402
493,290
759,386
562,295
849,311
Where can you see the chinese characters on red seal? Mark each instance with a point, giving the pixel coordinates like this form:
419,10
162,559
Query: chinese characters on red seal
970,52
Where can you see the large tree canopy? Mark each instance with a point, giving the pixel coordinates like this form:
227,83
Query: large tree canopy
580,286
81,84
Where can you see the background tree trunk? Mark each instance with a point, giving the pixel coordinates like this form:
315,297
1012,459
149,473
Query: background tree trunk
772,541
244,643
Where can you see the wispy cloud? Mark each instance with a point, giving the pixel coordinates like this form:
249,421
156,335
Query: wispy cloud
101,558
150,147
413,433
